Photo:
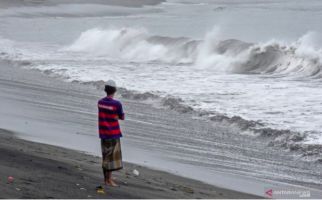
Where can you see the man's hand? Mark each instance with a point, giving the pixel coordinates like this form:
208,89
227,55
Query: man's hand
119,118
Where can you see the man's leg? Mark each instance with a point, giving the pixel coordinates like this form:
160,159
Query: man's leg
108,179
105,175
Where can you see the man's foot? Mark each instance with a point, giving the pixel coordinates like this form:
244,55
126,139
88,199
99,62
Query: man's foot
111,182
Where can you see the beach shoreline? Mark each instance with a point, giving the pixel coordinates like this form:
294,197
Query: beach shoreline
226,108
63,114
46,171
41,170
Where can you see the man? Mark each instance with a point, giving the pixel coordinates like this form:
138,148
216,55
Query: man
109,112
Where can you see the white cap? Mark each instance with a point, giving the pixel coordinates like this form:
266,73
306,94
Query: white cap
111,83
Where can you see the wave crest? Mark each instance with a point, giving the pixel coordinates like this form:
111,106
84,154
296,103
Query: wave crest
230,56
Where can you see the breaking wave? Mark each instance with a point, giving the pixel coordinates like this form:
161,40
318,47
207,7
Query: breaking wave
300,58
286,139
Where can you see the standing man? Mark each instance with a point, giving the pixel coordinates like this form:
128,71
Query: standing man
109,112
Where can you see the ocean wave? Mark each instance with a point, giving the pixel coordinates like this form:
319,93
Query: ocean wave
300,58
7,50
287,139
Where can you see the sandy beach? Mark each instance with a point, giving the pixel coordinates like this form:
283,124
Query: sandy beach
43,108
221,99
45,171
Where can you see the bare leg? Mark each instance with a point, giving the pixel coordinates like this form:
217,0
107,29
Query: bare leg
109,180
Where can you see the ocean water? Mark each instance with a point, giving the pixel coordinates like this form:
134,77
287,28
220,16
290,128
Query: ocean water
246,69
253,62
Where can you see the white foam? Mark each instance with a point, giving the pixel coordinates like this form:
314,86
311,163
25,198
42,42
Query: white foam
212,53
284,94
125,43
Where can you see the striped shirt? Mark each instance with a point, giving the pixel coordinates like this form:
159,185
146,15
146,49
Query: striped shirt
109,111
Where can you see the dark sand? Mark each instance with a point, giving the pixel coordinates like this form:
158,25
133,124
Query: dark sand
46,109
45,171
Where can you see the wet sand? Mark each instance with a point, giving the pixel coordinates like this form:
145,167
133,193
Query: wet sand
46,109
45,171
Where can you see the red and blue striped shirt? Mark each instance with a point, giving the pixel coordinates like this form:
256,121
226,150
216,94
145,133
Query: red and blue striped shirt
109,112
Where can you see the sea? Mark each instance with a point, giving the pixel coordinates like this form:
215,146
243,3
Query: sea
252,63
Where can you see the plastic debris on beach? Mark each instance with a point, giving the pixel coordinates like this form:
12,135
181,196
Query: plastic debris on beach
127,173
136,172
186,189
78,167
10,179
100,190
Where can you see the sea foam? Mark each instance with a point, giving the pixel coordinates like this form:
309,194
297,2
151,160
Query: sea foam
300,58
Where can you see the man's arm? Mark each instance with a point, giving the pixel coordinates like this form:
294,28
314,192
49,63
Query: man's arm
120,112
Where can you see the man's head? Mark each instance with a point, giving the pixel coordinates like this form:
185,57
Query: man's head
110,87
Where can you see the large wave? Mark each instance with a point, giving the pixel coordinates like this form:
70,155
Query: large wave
287,139
234,56
231,56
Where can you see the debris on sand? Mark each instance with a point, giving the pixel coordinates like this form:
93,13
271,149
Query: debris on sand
136,172
10,179
100,190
